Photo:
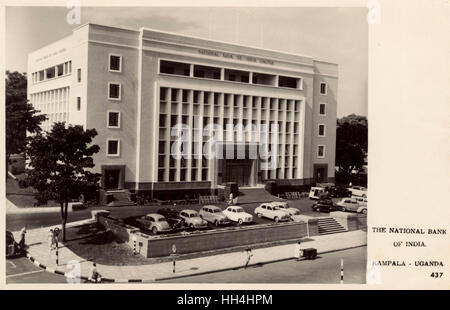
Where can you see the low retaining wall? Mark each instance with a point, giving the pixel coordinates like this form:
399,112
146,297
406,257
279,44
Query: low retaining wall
311,222
350,221
199,241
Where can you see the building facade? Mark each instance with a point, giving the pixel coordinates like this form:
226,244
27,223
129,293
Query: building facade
134,86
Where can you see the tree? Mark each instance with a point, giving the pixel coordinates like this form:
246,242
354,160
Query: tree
21,117
59,164
351,144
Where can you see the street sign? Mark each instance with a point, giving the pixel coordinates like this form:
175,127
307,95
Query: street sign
174,248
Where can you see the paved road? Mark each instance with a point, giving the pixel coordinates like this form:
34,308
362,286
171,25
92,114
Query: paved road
324,269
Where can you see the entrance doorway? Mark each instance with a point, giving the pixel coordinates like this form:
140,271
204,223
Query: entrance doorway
113,177
239,171
320,173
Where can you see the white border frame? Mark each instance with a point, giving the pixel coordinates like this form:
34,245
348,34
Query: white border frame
120,91
324,130
118,147
107,119
317,152
320,88
109,62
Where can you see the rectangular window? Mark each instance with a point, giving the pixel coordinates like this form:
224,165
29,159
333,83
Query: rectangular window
321,130
78,103
321,151
323,88
113,119
113,147
115,63
114,91
60,69
79,75
50,73
322,109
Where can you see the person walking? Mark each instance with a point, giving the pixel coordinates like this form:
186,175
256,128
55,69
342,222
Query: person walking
94,275
50,239
23,231
249,256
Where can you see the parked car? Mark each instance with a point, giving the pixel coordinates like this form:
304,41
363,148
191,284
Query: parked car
173,218
352,204
12,247
192,219
272,211
361,200
325,205
284,206
315,191
358,191
339,191
214,215
237,214
154,222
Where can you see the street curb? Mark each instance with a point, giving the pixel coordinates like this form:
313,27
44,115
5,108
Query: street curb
109,280
250,265
68,275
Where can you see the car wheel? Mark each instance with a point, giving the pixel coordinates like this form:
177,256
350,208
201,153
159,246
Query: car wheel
276,219
191,226
364,211
259,215
216,222
343,209
240,221
364,195
154,230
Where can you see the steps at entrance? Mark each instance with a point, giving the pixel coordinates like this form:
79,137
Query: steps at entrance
121,198
255,195
328,225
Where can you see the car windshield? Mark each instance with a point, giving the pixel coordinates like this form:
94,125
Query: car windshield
193,215
161,219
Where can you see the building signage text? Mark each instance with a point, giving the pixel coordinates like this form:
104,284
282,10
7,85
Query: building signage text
51,54
235,56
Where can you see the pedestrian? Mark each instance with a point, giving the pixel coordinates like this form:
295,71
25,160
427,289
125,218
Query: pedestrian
249,256
50,239
298,252
23,231
230,201
94,275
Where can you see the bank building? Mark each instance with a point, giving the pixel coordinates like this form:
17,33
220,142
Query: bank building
133,86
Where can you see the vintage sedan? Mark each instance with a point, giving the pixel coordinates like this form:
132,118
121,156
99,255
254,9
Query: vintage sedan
173,218
325,205
352,204
358,191
214,215
154,222
192,219
272,211
284,206
237,214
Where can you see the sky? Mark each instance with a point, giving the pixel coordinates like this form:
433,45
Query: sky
338,35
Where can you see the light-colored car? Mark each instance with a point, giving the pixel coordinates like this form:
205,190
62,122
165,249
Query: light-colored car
358,191
237,214
272,211
214,215
154,222
284,206
192,219
351,204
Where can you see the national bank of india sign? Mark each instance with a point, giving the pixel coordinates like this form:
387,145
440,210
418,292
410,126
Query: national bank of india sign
235,56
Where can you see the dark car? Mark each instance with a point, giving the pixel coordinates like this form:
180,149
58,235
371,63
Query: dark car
12,247
325,205
339,191
173,218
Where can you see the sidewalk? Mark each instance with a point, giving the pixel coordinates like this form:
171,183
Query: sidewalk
39,250
13,209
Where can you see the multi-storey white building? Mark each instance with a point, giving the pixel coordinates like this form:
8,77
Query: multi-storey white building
133,86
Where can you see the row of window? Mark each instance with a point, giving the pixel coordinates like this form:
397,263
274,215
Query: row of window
52,72
227,74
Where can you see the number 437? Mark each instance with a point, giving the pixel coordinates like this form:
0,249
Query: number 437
436,274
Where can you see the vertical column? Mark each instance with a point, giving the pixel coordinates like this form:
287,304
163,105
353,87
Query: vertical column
284,105
168,100
222,74
178,100
191,125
